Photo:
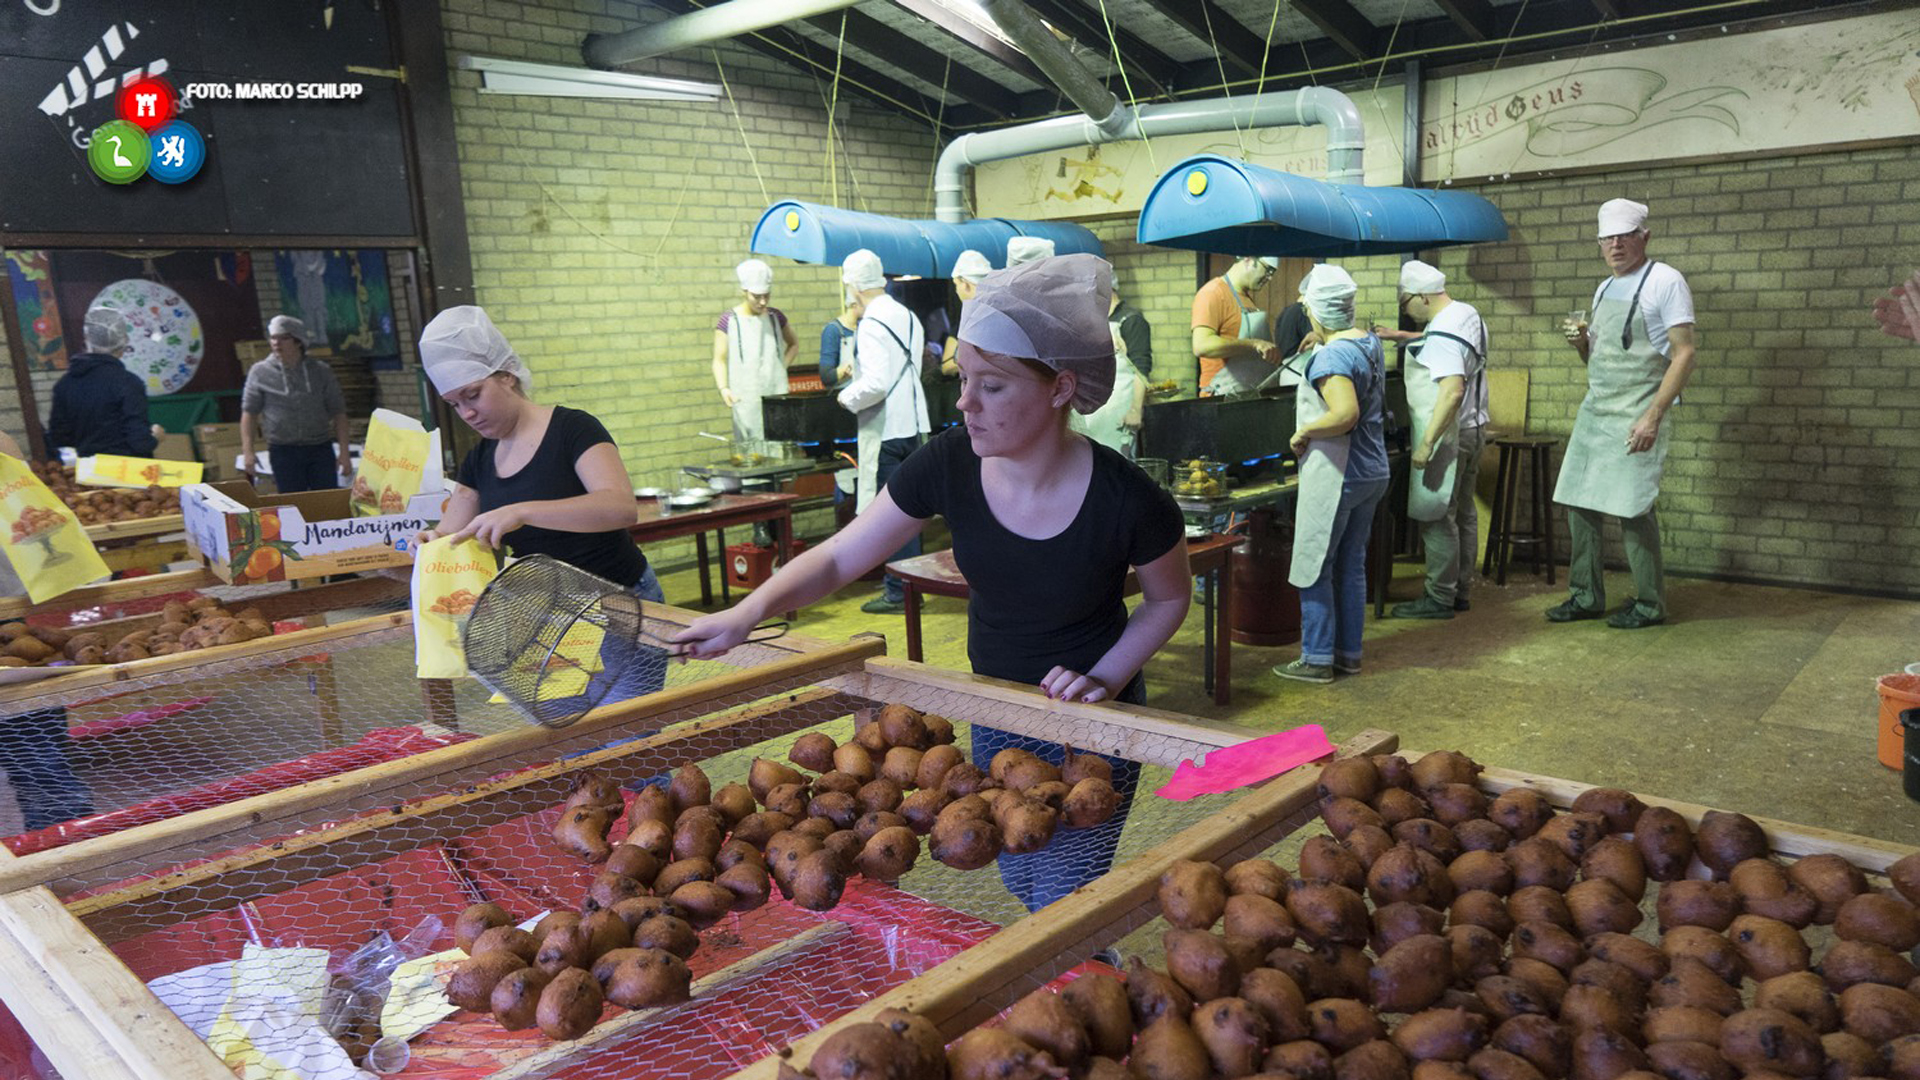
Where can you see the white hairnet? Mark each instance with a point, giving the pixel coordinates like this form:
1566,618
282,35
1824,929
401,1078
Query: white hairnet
106,330
461,346
1271,262
971,266
1051,310
287,326
755,276
1328,293
862,271
1622,216
1025,249
1417,278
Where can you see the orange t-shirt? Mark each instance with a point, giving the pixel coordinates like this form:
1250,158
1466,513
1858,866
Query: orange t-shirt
1215,309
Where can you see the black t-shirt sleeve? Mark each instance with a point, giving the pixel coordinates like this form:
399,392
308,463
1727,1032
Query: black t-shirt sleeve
468,474
1157,523
582,432
919,484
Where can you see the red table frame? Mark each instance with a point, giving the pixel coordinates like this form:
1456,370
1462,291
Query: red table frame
724,512
937,574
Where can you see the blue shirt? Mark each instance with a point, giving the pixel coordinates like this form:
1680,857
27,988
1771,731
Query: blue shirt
830,338
1363,361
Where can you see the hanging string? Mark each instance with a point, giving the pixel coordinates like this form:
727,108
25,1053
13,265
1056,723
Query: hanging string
741,125
939,121
1266,50
833,109
1127,83
1381,106
1219,62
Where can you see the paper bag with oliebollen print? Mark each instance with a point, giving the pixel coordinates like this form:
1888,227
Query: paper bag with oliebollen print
399,460
448,579
45,542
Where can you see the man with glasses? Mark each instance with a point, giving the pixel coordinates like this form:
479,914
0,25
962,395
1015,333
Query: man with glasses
1639,350
1232,335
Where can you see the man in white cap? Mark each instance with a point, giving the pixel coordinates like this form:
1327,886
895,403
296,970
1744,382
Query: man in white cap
1232,334
1446,381
296,403
1026,249
886,397
1639,350
752,346
968,269
99,407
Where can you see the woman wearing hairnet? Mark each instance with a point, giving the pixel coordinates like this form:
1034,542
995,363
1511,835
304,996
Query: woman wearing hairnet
1339,439
1045,525
545,479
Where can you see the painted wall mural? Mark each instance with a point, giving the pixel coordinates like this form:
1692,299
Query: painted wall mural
1821,84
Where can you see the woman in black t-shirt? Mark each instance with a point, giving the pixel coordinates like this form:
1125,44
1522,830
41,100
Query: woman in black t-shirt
545,479
1045,525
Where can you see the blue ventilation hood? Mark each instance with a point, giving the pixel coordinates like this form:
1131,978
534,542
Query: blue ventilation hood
1217,204
806,232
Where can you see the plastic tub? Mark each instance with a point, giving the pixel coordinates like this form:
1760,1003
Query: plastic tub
1897,693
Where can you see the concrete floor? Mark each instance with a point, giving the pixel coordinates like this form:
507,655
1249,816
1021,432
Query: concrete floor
1753,698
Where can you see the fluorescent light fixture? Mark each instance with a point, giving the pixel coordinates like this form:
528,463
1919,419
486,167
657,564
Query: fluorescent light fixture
552,80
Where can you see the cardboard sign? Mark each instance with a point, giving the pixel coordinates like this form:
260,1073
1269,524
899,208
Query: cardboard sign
245,537
112,470
41,537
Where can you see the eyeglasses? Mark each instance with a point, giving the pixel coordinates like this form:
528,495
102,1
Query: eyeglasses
1621,239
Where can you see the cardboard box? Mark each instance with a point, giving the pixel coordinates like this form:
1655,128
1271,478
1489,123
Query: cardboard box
219,445
251,352
245,537
174,447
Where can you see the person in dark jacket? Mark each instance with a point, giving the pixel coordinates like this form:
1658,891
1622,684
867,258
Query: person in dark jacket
99,407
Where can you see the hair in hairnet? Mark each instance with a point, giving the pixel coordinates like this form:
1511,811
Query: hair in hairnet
287,326
106,330
754,276
1328,293
970,266
461,346
862,271
1619,216
1420,279
1054,311
1025,249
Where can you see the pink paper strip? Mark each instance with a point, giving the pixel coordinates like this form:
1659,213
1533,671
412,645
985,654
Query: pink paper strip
1233,767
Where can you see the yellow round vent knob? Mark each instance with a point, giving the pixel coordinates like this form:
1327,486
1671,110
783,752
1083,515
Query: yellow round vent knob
1197,182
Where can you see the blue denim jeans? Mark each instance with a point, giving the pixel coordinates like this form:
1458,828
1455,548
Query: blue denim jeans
304,468
633,669
1333,610
1076,856
892,453
33,754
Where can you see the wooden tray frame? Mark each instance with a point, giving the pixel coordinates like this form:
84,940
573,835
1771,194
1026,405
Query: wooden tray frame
93,1017
988,978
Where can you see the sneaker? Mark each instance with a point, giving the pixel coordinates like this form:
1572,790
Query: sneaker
1570,611
1632,618
880,605
1424,608
1301,671
1346,667
1460,604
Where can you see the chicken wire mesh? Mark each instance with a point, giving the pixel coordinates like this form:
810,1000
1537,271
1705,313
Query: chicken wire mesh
93,761
291,933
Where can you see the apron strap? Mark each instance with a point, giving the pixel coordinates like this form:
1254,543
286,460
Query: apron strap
1626,325
910,365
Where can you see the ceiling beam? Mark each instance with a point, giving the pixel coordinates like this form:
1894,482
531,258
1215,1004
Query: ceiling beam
1343,23
1142,60
977,37
902,51
1240,47
1612,9
1473,17
797,52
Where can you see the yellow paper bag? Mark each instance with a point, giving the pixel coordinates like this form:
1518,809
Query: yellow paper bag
448,579
112,470
46,544
399,460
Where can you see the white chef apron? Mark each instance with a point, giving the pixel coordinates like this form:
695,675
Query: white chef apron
1323,476
756,368
1624,372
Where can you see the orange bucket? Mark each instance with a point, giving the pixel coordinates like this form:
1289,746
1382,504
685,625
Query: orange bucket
1897,693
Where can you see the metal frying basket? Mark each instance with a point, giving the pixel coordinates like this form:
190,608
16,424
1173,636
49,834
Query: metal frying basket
553,639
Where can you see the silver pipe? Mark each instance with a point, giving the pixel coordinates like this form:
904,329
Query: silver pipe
1087,93
701,27
1346,139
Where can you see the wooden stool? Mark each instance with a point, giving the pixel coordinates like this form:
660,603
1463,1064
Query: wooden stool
1535,453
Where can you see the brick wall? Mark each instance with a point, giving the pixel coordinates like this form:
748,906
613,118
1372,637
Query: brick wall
605,232
1158,281
1793,457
